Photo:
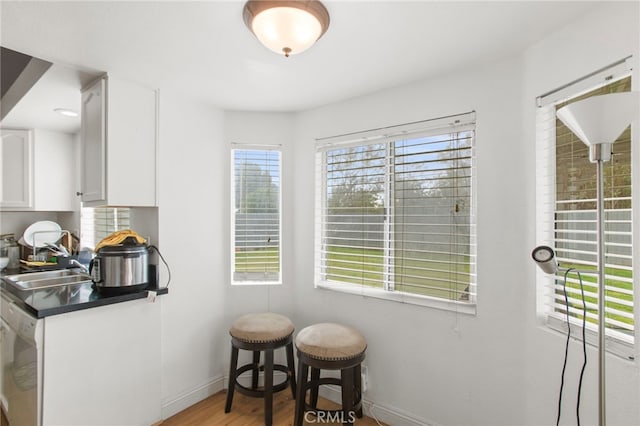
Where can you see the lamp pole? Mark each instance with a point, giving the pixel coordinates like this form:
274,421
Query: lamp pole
601,287
598,121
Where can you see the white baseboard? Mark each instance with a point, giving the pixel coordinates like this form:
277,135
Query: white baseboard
192,397
380,412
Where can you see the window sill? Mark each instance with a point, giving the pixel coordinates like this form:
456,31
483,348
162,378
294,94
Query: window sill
247,283
614,345
255,278
396,296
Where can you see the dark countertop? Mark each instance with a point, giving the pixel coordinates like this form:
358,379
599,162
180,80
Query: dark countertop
73,297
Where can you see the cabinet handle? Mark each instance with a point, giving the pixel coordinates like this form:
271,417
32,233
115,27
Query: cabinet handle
79,194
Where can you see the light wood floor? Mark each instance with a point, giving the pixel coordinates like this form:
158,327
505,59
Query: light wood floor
246,411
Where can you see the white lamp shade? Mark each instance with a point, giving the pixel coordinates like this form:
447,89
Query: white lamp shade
601,119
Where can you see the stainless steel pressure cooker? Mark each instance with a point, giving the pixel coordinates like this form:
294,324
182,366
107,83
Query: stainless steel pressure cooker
121,268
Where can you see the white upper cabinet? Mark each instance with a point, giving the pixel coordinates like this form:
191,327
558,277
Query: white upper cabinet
118,144
55,165
16,159
38,171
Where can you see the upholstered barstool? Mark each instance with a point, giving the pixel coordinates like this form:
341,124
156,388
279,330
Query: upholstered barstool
262,332
329,346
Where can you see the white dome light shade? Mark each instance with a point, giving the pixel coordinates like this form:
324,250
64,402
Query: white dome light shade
283,28
601,119
286,27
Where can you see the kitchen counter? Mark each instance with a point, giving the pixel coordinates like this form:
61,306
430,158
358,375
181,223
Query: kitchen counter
66,350
69,298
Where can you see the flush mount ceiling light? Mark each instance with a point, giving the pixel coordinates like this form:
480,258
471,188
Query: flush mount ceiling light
288,27
66,112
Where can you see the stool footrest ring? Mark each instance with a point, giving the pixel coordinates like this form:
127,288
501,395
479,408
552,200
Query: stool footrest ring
259,392
322,381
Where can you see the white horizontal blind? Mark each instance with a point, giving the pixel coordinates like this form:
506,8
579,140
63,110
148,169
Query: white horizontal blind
397,213
256,216
354,240
100,222
570,182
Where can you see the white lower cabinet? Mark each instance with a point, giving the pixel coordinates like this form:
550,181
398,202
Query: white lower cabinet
102,366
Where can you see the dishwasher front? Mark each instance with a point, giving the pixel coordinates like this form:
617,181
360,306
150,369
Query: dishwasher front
21,341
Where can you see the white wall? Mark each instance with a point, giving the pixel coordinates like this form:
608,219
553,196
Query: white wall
194,222
18,222
439,367
192,227
607,35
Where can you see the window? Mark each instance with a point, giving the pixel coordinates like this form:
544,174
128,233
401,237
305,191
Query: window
98,223
255,228
395,214
567,215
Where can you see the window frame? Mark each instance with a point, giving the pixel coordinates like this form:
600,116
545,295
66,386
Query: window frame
616,343
440,126
232,263
92,225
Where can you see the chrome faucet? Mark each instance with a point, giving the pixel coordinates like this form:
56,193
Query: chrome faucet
79,265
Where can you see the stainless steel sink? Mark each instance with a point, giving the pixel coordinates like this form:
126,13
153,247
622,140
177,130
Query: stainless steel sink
46,279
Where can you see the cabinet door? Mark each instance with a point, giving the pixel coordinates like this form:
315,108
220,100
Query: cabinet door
106,361
93,142
131,145
16,159
54,171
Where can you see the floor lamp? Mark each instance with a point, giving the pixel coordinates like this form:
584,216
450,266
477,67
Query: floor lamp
598,121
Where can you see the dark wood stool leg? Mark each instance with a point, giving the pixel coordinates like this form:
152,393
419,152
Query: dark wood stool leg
256,370
315,375
268,387
233,365
357,398
301,394
292,369
348,387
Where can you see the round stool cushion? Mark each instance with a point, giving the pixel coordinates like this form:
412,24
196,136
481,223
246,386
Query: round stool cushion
329,341
261,328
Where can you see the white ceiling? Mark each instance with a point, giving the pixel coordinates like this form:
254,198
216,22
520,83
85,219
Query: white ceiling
57,88
203,50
